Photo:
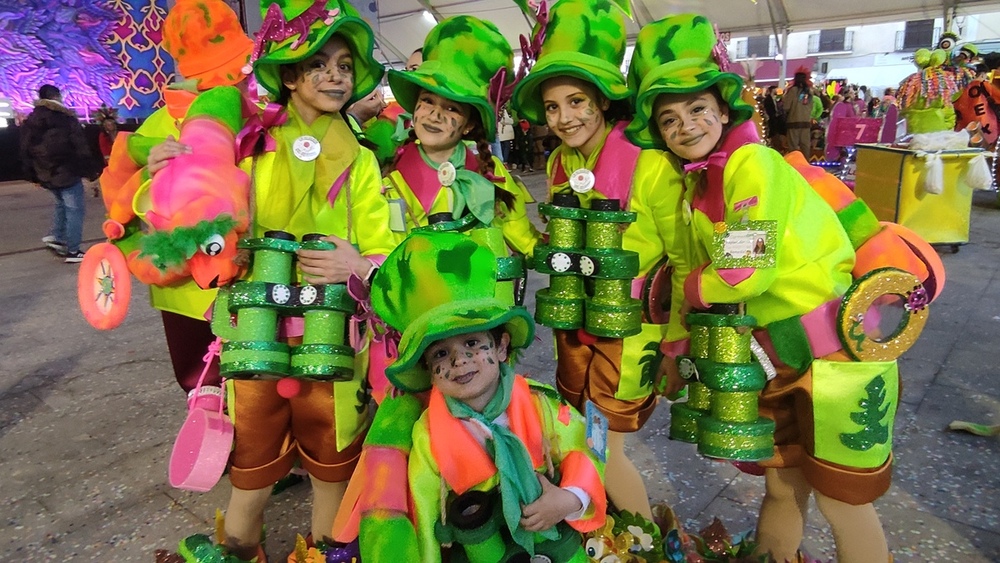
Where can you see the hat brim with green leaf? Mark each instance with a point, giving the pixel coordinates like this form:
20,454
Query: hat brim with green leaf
462,56
435,285
340,19
584,39
679,54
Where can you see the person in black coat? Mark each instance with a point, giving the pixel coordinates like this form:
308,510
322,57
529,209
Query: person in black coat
55,155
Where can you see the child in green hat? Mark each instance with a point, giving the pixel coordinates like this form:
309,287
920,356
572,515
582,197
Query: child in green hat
499,465
310,176
453,96
738,189
576,88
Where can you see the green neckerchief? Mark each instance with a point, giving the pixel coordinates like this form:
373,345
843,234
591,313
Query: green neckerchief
518,482
573,160
471,190
402,132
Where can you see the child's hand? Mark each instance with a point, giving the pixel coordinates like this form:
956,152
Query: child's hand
674,382
332,266
552,507
161,154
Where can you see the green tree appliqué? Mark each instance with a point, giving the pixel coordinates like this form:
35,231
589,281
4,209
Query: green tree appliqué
650,363
870,417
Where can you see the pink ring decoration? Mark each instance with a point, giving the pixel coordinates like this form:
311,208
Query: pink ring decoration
201,450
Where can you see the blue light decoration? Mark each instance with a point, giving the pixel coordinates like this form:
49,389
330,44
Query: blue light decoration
96,51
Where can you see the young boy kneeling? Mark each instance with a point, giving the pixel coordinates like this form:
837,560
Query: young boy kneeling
499,466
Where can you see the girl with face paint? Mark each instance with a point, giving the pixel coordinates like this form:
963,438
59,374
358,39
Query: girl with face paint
445,173
797,265
578,91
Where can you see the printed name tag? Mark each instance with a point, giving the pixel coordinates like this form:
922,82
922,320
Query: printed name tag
749,244
597,431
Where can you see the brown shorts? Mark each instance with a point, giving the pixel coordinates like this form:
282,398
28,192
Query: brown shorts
592,373
271,432
787,399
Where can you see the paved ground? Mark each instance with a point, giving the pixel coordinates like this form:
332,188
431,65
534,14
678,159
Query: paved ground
87,420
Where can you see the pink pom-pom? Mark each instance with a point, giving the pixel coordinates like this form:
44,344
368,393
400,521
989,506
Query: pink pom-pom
289,387
585,337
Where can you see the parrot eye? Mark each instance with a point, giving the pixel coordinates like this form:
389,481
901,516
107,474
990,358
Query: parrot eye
214,245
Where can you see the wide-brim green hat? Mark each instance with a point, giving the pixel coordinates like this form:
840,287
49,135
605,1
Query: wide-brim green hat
437,285
462,54
675,56
322,21
584,39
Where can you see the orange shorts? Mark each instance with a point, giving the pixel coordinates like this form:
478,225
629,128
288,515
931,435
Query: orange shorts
272,432
592,372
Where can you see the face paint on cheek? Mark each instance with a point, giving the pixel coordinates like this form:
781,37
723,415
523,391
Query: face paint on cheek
490,361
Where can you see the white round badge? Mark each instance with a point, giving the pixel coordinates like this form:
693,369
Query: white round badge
446,174
306,148
281,293
308,294
560,262
582,181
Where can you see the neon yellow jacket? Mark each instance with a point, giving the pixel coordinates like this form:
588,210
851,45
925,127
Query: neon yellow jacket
814,256
518,231
300,204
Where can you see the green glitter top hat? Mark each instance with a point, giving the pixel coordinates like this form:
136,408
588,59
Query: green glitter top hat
678,55
584,39
436,285
294,30
462,58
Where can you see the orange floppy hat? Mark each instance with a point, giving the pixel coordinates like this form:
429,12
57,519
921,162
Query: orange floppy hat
206,41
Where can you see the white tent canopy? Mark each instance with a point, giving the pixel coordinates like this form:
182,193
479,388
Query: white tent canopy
404,23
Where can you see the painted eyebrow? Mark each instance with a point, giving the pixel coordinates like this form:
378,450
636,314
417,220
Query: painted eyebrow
574,94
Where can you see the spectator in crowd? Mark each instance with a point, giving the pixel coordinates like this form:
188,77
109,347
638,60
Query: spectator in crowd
416,57
775,118
55,155
505,133
797,102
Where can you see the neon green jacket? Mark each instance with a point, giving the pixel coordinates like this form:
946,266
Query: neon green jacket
655,195
447,459
814,256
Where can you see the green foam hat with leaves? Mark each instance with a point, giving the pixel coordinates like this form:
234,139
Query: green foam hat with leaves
584,39
462,56
436,285
293,30
675,56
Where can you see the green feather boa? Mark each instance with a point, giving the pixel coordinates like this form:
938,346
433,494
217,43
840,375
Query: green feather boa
169,249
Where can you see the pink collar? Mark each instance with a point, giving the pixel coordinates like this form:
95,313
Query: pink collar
420,177
711,200
614,169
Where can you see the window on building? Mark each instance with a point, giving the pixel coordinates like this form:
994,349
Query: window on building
831,41
918,34
759,47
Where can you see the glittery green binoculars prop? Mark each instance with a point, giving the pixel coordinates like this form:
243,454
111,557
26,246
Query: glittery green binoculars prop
252,349
585,245
724,382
